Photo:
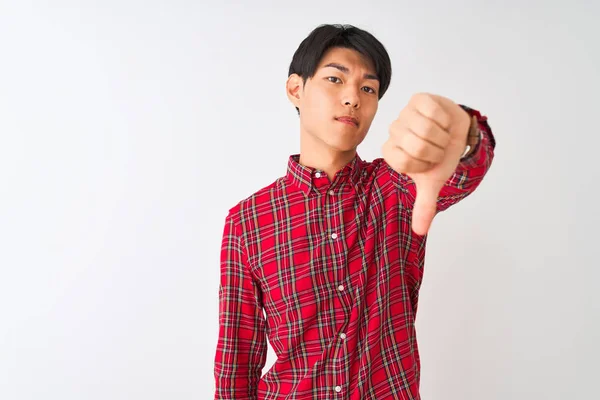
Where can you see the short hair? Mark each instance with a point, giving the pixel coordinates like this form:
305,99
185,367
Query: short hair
322,38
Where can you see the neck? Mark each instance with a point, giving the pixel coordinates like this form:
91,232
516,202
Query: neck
317,154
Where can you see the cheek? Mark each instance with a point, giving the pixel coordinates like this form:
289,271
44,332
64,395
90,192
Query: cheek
367,120
372,110
320,103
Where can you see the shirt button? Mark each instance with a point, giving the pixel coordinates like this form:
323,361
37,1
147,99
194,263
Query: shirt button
334,235
341,288
318,174
331,192
338,389
343,336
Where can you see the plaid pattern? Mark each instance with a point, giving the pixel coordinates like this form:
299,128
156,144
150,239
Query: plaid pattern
337,269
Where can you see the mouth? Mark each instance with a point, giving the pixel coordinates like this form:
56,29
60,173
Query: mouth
348,120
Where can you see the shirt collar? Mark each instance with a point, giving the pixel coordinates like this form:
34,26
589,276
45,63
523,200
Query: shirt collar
304,177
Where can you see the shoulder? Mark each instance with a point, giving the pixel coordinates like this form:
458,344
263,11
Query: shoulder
248,207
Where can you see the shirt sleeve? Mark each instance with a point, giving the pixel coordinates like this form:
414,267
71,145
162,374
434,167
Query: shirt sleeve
242,347
471,169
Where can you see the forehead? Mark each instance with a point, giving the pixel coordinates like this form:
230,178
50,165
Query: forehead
347,57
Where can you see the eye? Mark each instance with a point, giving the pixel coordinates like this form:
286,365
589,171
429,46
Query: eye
371,90
334,79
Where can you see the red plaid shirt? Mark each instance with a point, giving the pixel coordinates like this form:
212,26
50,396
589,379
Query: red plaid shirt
337,269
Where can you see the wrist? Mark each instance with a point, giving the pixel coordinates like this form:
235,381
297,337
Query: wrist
473,137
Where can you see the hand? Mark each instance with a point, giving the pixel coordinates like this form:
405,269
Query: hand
426,143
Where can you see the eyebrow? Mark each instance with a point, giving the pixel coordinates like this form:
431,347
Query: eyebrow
345,70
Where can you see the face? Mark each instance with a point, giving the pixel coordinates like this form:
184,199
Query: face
344,85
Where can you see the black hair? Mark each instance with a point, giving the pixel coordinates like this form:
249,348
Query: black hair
322,38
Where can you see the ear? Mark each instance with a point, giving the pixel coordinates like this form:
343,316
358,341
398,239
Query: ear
293,88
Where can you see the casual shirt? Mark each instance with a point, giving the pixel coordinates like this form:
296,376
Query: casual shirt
328,272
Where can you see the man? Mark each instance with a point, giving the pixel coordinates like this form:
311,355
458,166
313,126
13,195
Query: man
333,251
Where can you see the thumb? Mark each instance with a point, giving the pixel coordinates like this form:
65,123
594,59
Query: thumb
425,206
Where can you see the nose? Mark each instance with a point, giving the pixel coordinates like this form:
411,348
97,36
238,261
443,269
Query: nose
351,98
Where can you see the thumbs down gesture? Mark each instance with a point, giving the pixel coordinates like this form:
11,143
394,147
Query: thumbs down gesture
426,142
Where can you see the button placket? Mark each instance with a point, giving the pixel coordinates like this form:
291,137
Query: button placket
334,235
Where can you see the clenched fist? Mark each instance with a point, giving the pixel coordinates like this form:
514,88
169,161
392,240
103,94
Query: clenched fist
426,143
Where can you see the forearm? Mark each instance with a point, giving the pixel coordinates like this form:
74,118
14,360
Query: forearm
472,167
242,346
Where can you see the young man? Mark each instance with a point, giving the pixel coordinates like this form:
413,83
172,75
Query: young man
333,251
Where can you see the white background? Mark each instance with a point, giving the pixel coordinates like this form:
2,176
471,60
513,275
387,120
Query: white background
129,128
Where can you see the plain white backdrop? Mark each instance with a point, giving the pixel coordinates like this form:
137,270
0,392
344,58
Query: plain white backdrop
129,128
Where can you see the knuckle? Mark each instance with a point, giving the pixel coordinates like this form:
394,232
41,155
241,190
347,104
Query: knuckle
422,150
445,140
417,96
395,128
443,118
416,146
429,129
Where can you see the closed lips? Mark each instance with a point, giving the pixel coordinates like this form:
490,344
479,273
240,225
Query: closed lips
348,119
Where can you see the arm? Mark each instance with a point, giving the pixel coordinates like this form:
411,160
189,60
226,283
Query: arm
242,347
472,168
426,146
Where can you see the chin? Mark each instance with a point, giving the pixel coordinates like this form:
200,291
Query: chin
348,142
340,139
344,145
